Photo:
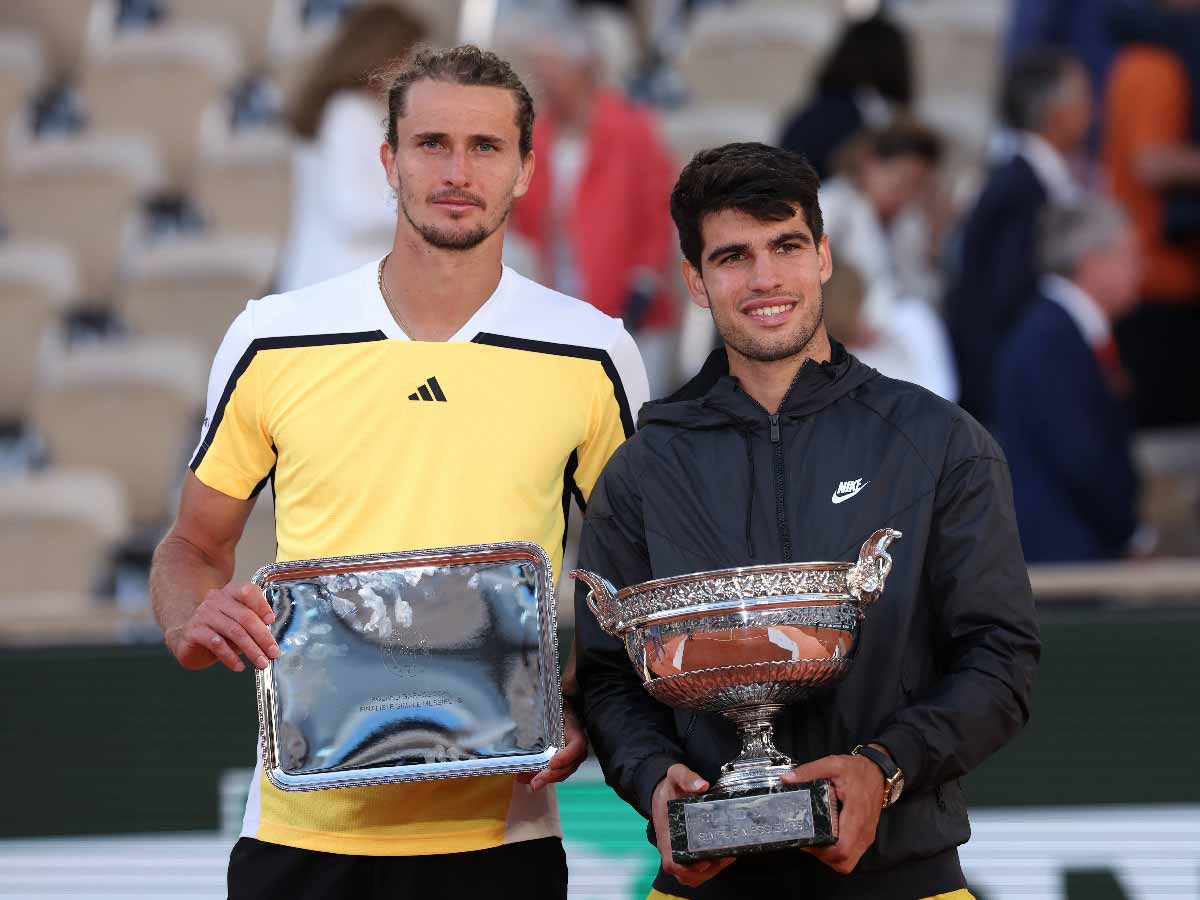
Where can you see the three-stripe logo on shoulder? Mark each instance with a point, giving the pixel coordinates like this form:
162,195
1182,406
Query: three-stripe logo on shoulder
430,390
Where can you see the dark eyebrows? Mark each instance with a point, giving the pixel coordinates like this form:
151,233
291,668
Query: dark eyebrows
791,237
788,237
442,136
727,248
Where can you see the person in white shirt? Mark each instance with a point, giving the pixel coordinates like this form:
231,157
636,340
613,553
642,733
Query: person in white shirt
893,329
343,214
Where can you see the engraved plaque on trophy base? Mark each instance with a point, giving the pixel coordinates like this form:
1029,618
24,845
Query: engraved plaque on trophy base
755,820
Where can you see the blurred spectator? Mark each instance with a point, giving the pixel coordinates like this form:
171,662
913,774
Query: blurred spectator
895,331
657,30
343,214
887,176
912,346
1046,102
1152,156
868,75
1061,391
1081,27
596,210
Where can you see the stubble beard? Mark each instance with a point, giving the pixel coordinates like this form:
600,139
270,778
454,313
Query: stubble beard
450,239
751,348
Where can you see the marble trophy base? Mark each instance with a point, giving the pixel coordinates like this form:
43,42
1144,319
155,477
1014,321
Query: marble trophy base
737,822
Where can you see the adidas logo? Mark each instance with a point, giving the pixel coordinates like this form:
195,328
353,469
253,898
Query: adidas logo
430,390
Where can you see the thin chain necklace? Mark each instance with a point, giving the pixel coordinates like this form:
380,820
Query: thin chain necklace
388,300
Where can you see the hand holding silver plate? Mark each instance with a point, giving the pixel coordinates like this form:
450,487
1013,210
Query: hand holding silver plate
744,643
410,666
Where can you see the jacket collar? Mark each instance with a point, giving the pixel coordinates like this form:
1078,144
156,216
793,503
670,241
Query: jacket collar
714,397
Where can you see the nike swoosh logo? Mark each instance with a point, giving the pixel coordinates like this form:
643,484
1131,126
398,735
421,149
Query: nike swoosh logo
844,497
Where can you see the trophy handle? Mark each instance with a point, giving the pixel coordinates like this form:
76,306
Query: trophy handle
867,576
601,600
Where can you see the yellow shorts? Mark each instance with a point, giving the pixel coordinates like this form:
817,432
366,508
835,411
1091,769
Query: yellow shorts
953,895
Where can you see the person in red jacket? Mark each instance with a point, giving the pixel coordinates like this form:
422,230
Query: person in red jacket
596,211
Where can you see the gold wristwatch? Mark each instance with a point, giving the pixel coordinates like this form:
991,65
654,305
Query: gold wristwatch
893,777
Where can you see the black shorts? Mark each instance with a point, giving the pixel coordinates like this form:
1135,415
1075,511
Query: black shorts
528,870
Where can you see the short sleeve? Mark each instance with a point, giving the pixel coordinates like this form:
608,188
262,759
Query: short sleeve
236,454
614,411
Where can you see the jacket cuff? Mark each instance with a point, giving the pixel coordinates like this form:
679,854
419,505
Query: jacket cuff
649,773
907,748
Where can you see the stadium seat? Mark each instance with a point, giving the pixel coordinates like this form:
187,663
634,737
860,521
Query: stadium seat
62,26
764,57
957,50
698,127
193,287
131,408
292,46
84,192
157,82
58,528
36,282
249,22
22,72
243,179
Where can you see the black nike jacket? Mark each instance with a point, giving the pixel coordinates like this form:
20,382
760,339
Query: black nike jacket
945,660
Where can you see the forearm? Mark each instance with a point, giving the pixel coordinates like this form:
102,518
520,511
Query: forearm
181,575
953,728
974,694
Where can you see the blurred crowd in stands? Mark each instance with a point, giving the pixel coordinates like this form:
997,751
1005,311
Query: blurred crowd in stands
1011,190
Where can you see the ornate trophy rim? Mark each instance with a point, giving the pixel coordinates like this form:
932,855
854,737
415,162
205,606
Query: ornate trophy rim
745,588
737,571
782,629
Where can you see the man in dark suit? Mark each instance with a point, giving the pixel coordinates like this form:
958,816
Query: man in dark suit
1060,393
1046,105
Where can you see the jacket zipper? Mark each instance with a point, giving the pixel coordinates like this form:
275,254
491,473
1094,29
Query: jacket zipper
785,537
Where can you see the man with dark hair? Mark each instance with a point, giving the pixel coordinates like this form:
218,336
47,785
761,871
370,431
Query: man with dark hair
1046,107
866,79
784,448
431,398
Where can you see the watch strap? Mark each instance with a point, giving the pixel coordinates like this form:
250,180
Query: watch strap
887,765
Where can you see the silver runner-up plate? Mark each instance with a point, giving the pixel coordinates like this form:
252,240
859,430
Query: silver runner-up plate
410,666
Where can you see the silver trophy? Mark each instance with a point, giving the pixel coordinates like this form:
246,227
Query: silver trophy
410,666
745,643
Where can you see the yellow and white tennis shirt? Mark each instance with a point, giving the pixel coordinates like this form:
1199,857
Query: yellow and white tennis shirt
375,443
